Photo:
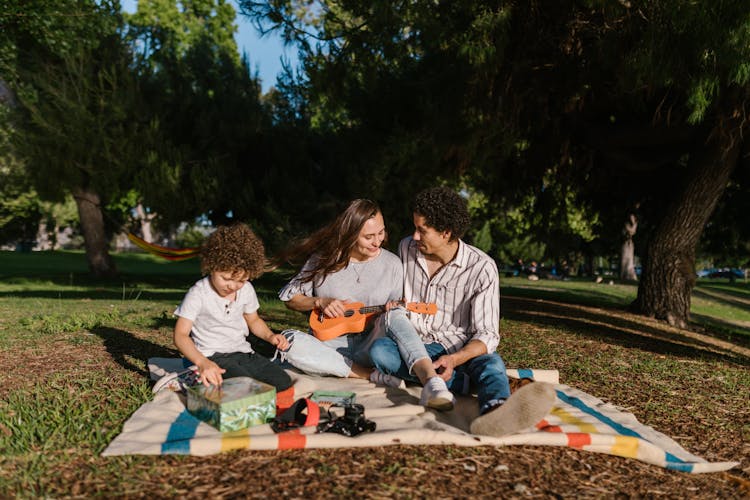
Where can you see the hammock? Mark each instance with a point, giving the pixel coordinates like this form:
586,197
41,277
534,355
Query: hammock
174,254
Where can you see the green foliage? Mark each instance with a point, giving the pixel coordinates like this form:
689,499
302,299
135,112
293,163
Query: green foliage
20,209
700,98
484,43
483,238
524,108
726,240
191,236
525,248
208,128
384,90
516,101
77,100
53,28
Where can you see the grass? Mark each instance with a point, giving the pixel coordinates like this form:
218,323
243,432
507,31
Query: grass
717,306
73,369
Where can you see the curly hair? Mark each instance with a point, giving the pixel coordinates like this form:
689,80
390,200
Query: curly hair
444,210
233,248
333,243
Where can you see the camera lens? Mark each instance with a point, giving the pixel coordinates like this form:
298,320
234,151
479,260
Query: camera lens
354,412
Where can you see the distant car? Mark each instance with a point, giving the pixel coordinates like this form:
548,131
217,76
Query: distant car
703,273
725,272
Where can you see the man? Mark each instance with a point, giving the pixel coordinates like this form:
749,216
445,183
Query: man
462,338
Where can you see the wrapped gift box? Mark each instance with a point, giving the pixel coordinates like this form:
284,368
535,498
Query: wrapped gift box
239,403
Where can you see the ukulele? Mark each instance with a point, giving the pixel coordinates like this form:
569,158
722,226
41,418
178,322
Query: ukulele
355,318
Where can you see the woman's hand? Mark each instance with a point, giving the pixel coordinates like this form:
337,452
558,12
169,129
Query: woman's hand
330,307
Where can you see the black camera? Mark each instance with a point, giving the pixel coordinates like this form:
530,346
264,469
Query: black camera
352,423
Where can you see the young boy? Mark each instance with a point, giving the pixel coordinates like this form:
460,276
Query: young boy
220,309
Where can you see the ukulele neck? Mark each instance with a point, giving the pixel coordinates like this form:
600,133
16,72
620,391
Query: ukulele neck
371,309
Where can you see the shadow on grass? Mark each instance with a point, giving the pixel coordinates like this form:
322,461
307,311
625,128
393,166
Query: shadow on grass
736,332
121,344
123,288
591,298
165,320
722,297
614,329
109,295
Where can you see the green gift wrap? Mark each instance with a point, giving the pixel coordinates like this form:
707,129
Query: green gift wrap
239,403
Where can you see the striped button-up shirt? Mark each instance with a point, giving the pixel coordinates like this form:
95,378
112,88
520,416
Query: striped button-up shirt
466,291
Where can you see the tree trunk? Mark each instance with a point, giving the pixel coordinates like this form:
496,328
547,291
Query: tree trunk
627,253
95,238
145,220
668,275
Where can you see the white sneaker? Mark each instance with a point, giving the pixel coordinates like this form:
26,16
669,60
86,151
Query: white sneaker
524,408
435,394
379,378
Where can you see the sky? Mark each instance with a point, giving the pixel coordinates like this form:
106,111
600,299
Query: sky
264,53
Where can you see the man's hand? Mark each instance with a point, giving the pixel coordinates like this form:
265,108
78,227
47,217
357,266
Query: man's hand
444,366
393,304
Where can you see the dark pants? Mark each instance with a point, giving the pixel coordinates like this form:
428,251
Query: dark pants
240,364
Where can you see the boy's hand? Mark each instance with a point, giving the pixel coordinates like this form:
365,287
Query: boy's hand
210,373
279,341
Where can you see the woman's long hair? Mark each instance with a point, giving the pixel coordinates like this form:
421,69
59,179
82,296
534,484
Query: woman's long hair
331,244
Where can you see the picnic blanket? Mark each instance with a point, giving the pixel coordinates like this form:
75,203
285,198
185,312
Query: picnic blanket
577,420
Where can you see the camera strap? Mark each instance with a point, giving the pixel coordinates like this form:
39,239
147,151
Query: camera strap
303,413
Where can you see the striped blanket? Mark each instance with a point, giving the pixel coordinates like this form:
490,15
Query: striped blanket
578,420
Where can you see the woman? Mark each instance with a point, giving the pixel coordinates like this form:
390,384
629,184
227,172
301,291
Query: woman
344,263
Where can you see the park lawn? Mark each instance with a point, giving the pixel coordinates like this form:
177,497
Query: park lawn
719,307
73,369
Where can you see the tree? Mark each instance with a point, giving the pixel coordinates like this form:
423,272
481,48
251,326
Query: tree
615,100
75,125
210,137
691,101
627,254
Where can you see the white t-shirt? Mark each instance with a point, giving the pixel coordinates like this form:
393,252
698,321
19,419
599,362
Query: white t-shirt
218,323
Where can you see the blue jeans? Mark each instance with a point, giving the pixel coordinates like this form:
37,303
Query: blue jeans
396,354
399,328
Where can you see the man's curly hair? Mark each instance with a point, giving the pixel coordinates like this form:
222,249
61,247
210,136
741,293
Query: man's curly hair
233,248
443,210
